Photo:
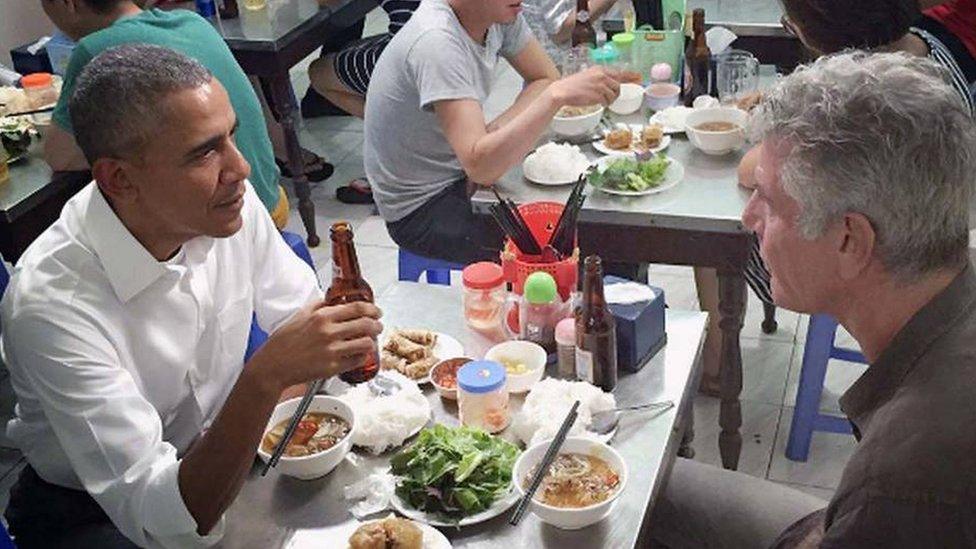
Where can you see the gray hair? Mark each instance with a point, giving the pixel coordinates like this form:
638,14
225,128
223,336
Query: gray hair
884,135
118,102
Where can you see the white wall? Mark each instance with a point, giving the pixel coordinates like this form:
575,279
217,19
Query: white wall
21,21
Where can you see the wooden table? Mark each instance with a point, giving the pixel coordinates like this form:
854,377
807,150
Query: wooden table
268,43
697,223
277,511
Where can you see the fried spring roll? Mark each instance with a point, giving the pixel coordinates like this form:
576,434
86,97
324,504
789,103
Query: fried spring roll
403,347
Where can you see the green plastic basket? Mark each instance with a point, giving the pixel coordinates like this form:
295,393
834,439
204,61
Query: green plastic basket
654,46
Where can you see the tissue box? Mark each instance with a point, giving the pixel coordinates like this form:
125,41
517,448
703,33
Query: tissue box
26,63
640,328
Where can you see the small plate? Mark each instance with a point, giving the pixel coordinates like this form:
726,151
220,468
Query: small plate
500,506
314,539
636,129
445,348
672,176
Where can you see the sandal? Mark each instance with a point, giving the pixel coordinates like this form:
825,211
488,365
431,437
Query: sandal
316,168
356,192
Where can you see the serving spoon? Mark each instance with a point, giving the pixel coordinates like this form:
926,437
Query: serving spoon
607,420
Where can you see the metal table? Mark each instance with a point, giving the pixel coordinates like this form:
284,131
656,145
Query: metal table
268,43
697,223
278,511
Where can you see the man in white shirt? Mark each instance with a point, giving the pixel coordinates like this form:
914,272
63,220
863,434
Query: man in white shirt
125,323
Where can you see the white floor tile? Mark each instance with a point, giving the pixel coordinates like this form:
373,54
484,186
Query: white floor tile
829,453
333,145
372,232
840,376
787,321
765,367
758,430
679,291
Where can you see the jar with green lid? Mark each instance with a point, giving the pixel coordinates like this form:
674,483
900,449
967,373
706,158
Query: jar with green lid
624,43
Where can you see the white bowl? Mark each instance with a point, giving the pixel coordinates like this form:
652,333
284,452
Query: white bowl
721,142
449,393
662,95
322,463
531,354
575,126
629,99
571,519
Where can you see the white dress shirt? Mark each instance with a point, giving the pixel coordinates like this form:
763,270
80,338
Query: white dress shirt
120,361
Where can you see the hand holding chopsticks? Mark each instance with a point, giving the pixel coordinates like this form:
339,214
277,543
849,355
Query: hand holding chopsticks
543,467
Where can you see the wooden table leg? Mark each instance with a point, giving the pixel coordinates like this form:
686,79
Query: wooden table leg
731,305
282,103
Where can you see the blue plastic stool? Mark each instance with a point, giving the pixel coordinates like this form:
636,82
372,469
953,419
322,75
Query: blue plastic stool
4,278
5,541
411,266
807,418
259,336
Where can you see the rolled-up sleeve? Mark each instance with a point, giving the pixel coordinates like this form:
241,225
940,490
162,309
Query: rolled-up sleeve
110,433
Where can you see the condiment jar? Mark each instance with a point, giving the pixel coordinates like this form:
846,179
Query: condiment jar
484,296
482,398
566,347
39,88
624,42
540,309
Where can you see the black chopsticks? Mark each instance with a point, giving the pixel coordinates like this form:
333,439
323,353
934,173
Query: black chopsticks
25,113
509,218
563,237
310,393
543,466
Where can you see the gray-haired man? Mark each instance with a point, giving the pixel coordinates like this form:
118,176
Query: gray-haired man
865,177
125,323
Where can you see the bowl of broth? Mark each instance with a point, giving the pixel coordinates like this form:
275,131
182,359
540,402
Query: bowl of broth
581,486
321,441
573,121
717,130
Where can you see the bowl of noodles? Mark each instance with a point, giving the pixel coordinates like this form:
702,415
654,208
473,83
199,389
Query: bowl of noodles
321,441
576,121
581,486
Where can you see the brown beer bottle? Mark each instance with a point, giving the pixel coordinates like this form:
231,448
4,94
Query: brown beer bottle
596,331
697,61
349,286
583,33
229,11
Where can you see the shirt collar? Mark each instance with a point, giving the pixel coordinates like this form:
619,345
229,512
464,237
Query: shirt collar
929,324
129,267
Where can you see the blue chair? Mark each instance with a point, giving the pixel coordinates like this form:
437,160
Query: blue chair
258,336
5,541
411,266
807,418
4,278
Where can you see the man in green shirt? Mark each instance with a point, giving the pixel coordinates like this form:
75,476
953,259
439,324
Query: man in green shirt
98,25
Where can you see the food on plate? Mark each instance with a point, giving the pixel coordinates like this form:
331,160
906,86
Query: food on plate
445,374
13,100
384,422
513,366
410,352
389,533
454,472
575,480
717,127
316,432
651,136
628,174
572,112
619,139
673,117
556,162
549,402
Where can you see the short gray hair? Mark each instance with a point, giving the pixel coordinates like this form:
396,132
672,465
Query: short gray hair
884,135
118,101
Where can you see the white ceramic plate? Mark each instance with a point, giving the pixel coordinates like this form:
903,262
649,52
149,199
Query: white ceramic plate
445,348
636,129
529,170
672,176
315,539
661,118
500,506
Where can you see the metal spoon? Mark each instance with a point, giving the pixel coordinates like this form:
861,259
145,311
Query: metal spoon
383,386
606,421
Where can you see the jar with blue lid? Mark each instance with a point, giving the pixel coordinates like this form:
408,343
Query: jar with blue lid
482,397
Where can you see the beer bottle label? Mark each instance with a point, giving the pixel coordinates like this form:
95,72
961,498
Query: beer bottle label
584,365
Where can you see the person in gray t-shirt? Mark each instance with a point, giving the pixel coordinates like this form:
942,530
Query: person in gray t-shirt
426,135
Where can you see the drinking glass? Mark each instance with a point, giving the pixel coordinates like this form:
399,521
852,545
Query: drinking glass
255,5
737,74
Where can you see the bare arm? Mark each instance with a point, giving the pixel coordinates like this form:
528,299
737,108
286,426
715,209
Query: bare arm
318,343
538,71
597,9
61,152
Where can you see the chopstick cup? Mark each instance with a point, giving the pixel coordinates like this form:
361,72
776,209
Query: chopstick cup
307,398
543,466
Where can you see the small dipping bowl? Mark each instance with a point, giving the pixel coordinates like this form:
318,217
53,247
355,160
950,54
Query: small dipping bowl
437,373
662,95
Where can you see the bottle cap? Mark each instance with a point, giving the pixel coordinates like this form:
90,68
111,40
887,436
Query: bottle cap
539,288
36,80
484,275
661,72
481,376
604,55
566,332
623,39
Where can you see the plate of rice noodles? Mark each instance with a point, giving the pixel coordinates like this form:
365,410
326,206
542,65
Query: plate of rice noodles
555,164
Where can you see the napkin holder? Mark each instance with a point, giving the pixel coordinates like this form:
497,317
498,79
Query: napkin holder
640,328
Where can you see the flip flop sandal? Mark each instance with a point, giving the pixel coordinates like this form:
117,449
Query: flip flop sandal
323,171
352,194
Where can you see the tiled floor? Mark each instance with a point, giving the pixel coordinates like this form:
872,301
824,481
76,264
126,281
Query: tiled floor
771,362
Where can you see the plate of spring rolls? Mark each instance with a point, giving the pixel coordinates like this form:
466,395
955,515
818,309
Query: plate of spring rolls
414,352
